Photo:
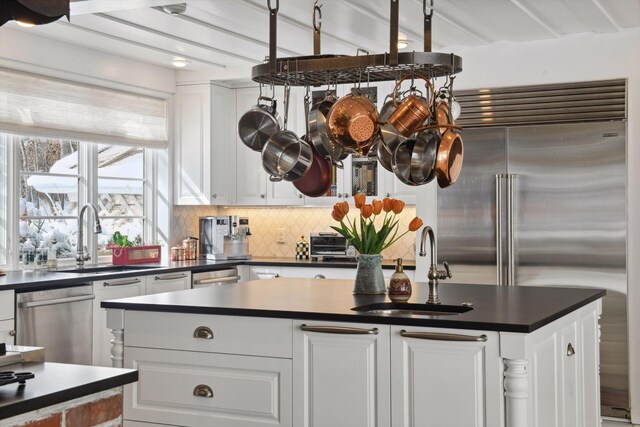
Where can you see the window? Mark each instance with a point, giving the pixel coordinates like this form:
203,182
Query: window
120,193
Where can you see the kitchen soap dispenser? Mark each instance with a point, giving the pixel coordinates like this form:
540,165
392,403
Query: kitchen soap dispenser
399,284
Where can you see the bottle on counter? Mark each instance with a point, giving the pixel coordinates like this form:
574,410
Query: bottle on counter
399,284
42,254
302,249
28,252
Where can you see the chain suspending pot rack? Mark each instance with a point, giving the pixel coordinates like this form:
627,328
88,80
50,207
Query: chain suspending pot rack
414,135
319,69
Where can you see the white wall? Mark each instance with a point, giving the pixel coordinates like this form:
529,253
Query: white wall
570,59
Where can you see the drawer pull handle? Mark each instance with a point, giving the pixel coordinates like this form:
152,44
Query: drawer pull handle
174,277
339,330
125,283
320,276
203,332
438,336
570,350
203,390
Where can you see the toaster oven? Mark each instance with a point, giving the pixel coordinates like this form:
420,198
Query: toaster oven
330,246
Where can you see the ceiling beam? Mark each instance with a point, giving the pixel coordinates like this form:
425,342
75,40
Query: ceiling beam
138,44
535,17
607,15
87,7
298,24
177,38
449,20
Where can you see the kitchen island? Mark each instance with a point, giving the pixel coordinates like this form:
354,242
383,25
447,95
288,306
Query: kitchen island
293,352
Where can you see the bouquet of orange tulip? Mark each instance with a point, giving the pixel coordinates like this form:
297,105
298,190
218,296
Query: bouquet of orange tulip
362,234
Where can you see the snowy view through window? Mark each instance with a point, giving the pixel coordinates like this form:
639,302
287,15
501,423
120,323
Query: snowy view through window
49,191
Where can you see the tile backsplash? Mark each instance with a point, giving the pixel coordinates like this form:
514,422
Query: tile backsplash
265,222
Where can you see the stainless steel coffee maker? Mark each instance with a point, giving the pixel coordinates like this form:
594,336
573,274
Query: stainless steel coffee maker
224,237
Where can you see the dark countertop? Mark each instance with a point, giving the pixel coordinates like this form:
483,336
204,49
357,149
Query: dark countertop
497,308
56,383
44,279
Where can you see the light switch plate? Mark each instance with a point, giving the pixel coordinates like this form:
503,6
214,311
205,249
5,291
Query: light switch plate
281,236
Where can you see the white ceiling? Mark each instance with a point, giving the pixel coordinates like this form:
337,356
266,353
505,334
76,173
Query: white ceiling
218,34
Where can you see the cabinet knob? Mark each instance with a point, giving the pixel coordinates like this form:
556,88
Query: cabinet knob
12,333
262,196
570,350
215,196
387,195
203,390
319,276
300,196
203,332
339,195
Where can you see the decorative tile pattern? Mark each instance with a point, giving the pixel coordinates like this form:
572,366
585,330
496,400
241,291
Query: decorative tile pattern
265,222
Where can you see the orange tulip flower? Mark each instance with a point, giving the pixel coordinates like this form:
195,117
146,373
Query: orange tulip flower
398,206
366,211
377,207
360,199
335,214
415,224
387,204
343,207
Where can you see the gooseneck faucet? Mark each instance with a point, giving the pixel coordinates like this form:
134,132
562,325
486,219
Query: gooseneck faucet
82,253
434,274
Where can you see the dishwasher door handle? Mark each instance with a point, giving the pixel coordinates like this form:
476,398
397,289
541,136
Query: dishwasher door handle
32,304
216,280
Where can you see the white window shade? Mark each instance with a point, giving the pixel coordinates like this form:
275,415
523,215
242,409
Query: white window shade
34,105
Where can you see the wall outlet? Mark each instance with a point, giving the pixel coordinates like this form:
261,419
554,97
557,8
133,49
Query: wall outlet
281,236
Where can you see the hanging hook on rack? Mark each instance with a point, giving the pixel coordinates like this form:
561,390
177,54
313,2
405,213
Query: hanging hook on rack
317,25
427,24
271,9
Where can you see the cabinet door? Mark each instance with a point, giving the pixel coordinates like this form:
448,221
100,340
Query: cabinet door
438,383
168,282
340,379
251,180
7,331
223,146
192,145
105,290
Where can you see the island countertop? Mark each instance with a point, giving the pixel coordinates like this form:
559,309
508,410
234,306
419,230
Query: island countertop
498,308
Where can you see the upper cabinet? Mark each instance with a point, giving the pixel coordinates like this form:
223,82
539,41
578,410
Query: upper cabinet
204,152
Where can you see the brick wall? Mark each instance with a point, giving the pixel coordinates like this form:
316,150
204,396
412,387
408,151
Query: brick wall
102,409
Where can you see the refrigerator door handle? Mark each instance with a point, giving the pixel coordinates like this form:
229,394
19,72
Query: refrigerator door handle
511,270
499,263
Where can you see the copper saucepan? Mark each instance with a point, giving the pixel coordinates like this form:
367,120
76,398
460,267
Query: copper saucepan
413,111
354,123
449,158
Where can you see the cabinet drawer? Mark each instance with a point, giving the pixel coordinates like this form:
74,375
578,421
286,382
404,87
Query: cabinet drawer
218,334
203,389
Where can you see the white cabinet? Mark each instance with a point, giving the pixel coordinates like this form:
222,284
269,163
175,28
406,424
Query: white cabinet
168,282
333,273
341,374
204,148
445,377
253,186
7,317
106,290
262,272
208,370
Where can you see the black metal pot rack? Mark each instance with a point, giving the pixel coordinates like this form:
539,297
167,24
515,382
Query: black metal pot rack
317,69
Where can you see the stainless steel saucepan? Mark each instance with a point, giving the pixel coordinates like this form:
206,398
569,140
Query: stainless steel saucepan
258,124
319,131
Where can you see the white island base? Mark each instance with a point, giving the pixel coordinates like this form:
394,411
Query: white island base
232,371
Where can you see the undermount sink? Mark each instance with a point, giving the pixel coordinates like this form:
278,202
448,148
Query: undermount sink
410,309
105,269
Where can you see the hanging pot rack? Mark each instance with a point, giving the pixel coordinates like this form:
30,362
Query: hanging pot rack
322,69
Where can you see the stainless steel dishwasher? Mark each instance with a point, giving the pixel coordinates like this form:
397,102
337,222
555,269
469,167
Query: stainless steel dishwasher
61,320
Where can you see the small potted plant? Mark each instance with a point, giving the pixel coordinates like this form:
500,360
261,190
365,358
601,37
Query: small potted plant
124,251
370,241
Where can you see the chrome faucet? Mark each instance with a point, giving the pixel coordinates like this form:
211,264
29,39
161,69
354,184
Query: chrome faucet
434,274
82,253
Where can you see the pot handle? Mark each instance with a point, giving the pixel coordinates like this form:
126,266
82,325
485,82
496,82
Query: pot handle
272,108
433,127
336,163
275,178
413,76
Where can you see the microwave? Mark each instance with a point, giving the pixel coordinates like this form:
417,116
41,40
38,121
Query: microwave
329,246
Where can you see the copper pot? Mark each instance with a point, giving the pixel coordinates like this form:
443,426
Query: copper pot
449,158
353,123
413,111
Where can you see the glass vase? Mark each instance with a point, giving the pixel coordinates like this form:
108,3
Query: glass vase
369,278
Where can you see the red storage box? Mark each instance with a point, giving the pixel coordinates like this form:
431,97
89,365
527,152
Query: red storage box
135,254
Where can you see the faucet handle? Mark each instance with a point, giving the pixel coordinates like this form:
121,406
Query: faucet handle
86,255
446,267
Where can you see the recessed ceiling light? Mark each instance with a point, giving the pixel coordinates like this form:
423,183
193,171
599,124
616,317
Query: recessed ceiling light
25,24
179,62
402,43
175,9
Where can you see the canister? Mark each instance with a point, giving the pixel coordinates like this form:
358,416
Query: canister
190,245
177,253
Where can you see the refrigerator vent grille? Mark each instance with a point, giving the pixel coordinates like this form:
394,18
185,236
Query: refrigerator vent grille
543,104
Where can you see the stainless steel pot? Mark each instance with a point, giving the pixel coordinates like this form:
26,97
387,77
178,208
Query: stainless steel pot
319,131
258,124
286,157
414,161
390,136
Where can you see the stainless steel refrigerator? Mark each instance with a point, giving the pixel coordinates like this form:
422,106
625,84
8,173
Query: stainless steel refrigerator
545,205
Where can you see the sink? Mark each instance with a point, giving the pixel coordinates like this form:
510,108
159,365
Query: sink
410,309
105,269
